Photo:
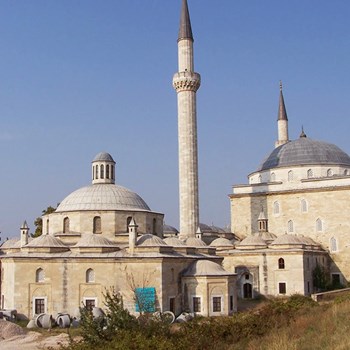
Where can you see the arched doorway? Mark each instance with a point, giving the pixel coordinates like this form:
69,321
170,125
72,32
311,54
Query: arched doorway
247,291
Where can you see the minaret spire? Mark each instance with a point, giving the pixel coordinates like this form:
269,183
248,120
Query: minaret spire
185,30
186,83
282,121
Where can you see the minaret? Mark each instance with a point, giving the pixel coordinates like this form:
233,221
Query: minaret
186,83
282,121
24,234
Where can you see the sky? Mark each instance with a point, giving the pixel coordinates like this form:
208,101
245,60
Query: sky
78,77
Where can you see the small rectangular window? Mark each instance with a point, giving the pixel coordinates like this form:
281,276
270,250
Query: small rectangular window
216,304
39,307
231,302
90,304
172,305
196,304
282,288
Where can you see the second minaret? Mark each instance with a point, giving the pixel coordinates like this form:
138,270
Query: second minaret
186,83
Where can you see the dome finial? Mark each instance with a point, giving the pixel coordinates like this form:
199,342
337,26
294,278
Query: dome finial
280,85
302,134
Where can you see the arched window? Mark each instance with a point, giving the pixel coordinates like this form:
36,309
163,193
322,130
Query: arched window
90,276
334,244
107,171
66,225
290,226
303,205
281,263
310,174
154,226
346,172
329,172
39,275
273,177
102,171
96,172
47,226
319,225
97,225
93,173
276,208
112,172
290,175
128,220
259,179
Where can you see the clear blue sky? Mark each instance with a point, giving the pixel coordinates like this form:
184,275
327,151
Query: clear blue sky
80,77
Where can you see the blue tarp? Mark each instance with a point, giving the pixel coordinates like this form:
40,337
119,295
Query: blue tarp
145,299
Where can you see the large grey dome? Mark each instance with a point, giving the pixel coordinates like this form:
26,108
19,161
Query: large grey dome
305,151
102,197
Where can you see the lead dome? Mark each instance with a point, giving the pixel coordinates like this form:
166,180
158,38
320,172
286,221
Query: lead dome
305,151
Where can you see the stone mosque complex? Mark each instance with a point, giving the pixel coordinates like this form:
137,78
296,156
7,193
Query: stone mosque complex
289,220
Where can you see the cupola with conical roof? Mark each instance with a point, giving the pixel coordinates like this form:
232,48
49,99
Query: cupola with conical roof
103,169
282,121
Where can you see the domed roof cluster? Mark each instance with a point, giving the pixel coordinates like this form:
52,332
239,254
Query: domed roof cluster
102,197
305,151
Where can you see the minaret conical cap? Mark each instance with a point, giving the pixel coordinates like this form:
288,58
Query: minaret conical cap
282,113
185,30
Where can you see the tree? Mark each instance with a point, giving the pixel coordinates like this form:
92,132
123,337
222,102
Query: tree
38,222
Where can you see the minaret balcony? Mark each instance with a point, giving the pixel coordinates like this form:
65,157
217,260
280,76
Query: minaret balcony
186,81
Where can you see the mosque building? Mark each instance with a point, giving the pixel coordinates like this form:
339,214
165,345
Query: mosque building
301,190
291,218
105,236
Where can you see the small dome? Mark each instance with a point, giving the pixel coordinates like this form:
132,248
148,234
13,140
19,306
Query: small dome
307,240
221,242
11,243
46,241
305,151
174,242
288,239
195,242
93,240
169,230
267,236
103,157
205,268
252,241
149,240
205,228
102,197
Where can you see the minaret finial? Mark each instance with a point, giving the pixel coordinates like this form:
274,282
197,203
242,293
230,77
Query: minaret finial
282,113
185,31
302,134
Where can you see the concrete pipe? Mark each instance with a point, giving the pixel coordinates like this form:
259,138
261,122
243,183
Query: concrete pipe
168,317
63,321
184,317
38,320
46,321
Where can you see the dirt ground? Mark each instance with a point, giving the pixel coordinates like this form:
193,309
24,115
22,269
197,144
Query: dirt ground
14,337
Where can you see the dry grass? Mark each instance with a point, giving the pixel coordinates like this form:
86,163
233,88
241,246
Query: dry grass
325,327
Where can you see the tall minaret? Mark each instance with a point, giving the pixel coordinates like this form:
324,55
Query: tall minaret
282,121
186,83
